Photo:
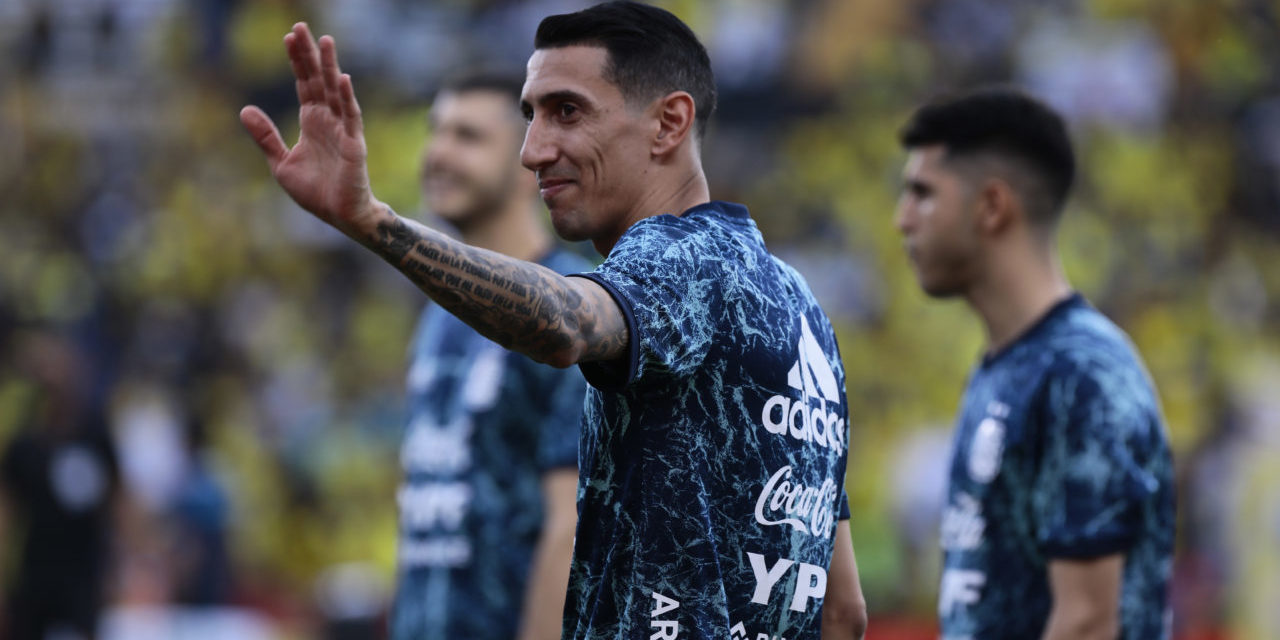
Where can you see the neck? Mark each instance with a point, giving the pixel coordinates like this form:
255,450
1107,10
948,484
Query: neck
686,188
1020,285
516,231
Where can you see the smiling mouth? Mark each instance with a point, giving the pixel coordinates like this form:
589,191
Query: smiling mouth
548,188
442,180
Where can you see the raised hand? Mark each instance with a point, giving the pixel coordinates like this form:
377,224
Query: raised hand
326,172
520,305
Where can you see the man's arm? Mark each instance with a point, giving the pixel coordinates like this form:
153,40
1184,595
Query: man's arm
520,305
844,609
1086,598
543,613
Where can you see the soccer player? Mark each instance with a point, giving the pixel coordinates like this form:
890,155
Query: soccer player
713,452
490,452
1059,517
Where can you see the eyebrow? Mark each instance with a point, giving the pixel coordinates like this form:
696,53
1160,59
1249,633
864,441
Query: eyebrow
563,95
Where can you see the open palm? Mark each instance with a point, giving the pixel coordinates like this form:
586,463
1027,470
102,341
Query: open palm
326,171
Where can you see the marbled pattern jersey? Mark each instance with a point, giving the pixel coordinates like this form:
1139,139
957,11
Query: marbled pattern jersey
1060,452
713,458
484,425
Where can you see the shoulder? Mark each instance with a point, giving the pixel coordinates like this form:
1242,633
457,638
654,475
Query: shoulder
658,252
657,237
1095,374
1086,344
706,229
792,279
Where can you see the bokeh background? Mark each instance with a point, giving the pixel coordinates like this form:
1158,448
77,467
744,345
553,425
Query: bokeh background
248,362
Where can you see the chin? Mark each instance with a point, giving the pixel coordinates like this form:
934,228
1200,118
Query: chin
453,213
937,289
568,226
571,234
940,293
444,211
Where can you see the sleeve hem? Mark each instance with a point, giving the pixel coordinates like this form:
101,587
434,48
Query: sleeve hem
611,375
1086,549
557,466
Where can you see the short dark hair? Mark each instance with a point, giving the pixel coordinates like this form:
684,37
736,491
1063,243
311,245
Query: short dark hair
509,85
1007,122
651,52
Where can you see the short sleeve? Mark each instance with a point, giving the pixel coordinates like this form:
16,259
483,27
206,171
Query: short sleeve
1090,483
667,291
845,513
561,424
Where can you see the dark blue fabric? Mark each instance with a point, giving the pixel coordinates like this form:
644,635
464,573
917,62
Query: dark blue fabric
1060,452
713,456
484,425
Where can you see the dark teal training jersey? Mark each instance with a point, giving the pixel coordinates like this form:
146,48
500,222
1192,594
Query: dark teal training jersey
713,457
1060,452
484,425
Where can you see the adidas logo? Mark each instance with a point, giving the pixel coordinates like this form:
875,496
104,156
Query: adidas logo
812,373
811,416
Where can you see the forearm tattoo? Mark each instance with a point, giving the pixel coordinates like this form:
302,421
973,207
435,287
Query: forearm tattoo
520,305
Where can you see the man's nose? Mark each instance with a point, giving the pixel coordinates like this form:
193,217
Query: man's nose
904,212
538,151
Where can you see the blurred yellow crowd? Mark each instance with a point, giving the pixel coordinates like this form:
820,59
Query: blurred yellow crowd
243,352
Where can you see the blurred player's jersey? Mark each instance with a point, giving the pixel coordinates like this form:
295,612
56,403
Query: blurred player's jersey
713,456
1060,453
484,425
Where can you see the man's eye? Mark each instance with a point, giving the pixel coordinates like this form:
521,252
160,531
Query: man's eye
567,110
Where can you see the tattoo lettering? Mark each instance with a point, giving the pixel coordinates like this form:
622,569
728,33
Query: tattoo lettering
519,305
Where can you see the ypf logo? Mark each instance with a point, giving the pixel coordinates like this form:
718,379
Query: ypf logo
810,416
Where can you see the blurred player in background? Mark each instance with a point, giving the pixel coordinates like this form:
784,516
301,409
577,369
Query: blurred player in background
489,458
711,501
60,483
1059,520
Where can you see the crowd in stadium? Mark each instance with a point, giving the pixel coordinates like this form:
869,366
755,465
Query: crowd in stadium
249,362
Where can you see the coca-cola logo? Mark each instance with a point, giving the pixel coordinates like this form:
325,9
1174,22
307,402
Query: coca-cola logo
806,508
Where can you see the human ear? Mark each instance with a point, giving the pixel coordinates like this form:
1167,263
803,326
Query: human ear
998,205
675,118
